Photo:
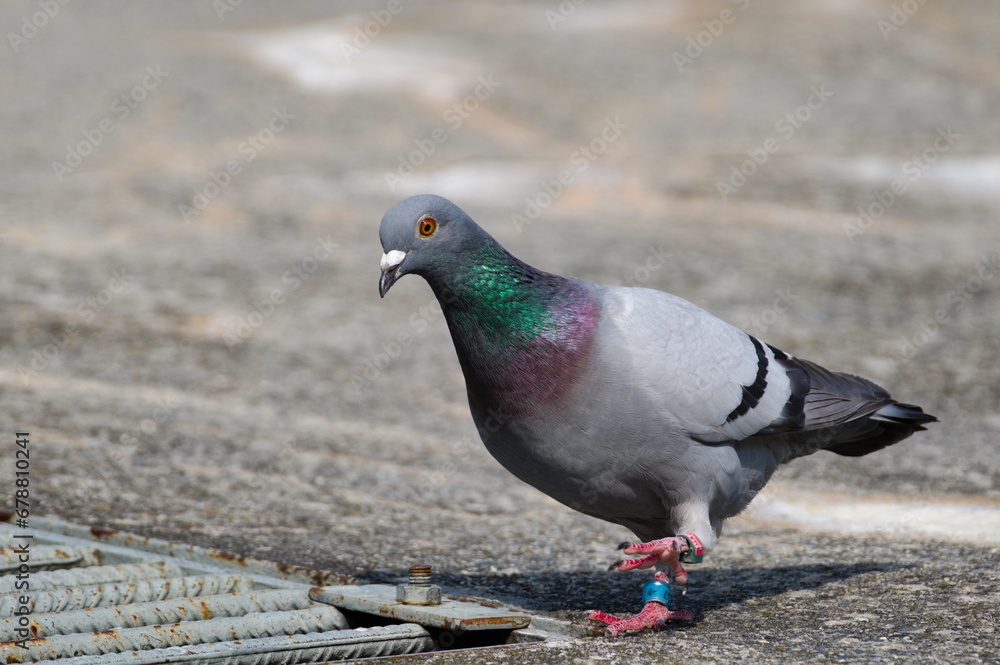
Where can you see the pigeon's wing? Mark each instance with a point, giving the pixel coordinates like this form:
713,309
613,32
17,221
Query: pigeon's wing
720,383
711,378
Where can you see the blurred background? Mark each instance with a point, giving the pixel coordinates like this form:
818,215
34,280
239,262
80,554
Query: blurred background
189,251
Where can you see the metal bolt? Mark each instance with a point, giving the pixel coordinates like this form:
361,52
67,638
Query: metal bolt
419,591
420,575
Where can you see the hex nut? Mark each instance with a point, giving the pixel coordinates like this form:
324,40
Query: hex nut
410,594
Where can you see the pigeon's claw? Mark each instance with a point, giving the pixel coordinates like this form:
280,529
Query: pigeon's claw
665,550
653,615
635,564
672,545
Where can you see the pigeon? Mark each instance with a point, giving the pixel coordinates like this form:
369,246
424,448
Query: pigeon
627,404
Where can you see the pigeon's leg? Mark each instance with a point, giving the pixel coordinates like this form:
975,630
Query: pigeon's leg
654,614
666,554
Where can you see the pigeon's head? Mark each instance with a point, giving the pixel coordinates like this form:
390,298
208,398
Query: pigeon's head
420,234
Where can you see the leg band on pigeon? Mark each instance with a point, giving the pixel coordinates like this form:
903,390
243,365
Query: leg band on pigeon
695,552
657,591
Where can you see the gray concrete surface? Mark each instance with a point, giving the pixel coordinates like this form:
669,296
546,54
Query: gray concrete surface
225,374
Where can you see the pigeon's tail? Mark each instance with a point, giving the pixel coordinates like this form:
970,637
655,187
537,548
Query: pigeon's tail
890,424
843,413
909,415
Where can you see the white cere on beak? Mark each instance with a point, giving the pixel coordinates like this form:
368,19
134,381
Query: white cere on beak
392,259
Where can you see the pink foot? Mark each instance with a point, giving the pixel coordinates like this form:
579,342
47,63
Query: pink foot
653,615
664,550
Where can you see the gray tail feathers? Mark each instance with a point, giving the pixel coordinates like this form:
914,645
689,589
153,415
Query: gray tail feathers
856,415
890,424
904,414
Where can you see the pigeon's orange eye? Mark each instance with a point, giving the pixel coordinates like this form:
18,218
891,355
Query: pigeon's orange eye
426,227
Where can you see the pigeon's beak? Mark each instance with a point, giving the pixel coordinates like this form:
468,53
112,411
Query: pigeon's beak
390,270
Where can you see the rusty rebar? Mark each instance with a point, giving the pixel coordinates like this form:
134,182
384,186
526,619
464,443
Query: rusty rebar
157,612
54,579
46,557
286,650
117,593
317,619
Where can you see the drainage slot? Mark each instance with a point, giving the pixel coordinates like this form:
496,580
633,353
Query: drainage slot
101,597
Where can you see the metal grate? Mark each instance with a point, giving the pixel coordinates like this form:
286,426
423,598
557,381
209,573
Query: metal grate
102,597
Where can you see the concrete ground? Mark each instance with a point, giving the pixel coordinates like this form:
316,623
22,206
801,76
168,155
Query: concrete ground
191,331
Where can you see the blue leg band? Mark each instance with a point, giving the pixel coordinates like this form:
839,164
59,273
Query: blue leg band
657,591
